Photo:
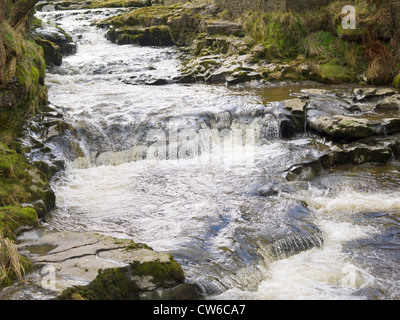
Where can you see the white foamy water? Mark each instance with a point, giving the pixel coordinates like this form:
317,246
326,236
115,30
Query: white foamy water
226,213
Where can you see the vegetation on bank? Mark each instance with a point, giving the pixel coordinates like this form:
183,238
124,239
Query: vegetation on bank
368,53
313,43
24,190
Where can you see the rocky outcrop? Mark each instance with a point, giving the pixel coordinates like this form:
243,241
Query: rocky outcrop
366,134
55,42
371,112
228,28
60,5
52,52
112,269
293,118
343,128
158,25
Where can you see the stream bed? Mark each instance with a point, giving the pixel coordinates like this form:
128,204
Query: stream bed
198,171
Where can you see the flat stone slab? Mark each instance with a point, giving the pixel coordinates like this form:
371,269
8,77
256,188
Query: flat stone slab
76,258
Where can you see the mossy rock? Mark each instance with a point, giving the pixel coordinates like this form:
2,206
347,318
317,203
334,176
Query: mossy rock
356,34
343,128
122,283
12,218
20,182
163,25
152,36
52,52
396,81
333,73
119,4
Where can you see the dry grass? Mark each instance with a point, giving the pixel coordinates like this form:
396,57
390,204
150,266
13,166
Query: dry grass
382,65
10,260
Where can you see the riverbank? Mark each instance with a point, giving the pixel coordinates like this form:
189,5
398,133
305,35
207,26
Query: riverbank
25,193
270,46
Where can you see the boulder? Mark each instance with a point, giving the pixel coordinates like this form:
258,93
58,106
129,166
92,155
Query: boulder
391,103
52,52
145,36
305,171
58,36
223,27
356,154
368,94
343,128
293,120
95,267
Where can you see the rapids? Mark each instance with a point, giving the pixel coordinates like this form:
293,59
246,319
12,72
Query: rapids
196,170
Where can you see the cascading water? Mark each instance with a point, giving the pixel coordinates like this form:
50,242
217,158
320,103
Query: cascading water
196,170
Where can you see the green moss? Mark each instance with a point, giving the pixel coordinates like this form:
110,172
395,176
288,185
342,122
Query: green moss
110,284
118,3
11,218
160,35
347,123
31,69
332,72
141,17
396,81
135,246
117,283
163,273
21,182
280,32
52,52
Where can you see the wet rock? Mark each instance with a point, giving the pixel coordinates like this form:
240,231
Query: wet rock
268,191
49,169
368,94
119,4
157,82
293,121
343,128
242,76
305,171
58,5
356,154
52,52
151,36
390,126
221,74
56,128
217,69
314,92
388,104
110,268
393,143
181,22
56,36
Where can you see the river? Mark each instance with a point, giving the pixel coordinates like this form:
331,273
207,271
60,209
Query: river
196,170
